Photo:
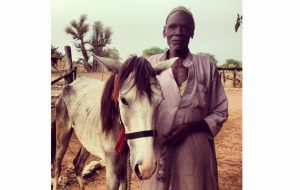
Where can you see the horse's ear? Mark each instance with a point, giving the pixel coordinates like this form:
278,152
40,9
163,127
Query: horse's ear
112,65
161,66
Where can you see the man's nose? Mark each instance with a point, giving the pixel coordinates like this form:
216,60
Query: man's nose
179,30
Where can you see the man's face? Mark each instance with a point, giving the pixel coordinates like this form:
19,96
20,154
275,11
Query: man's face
178,30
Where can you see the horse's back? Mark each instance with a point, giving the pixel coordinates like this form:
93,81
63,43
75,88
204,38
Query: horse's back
82,99
83,91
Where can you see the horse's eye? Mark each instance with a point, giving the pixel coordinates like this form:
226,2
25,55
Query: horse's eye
124,101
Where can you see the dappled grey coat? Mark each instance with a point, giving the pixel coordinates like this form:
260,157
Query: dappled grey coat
195,165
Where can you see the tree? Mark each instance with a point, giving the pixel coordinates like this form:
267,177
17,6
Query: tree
152,51
232,63
112,53
77,30
100,38
55,56
210,55
54,50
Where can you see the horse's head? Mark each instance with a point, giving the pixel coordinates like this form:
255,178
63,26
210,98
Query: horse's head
138,95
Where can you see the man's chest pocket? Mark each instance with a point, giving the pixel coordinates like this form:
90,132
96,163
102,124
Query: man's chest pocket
200,97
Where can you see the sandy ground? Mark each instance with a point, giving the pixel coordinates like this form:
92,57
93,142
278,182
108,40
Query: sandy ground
228,146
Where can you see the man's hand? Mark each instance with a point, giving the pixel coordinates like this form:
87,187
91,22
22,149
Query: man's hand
178,134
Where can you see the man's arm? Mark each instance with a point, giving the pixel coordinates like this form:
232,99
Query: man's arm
218,104
212,123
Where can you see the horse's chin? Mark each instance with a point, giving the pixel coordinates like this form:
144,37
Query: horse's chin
149,175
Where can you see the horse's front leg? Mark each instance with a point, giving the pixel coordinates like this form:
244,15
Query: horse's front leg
112,182
115,172
122,173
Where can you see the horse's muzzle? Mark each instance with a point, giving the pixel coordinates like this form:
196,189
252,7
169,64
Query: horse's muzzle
145,171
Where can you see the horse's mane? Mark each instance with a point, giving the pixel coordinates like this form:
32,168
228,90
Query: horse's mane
108,108
142,72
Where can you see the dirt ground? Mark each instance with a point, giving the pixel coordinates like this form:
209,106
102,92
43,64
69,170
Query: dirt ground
228,146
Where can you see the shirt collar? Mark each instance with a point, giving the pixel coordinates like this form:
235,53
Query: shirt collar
186,62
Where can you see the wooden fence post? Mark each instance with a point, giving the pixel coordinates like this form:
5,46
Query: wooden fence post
69,63
235,71
74,73
234,77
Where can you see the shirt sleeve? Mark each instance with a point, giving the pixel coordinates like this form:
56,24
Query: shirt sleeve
218,104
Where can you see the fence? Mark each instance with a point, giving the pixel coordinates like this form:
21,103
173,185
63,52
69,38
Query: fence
69,76
234,72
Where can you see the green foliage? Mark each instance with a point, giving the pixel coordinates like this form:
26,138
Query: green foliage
232,63
54,50
210,55
152,51
101,35
100,38
78,29
112,53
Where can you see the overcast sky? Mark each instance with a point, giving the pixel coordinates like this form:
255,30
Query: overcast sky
138,25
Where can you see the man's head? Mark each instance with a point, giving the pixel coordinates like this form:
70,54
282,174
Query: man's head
179,28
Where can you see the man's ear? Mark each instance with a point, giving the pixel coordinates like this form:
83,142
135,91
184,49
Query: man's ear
164,32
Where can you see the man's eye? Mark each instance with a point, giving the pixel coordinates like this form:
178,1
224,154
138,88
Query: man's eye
123,100
172,26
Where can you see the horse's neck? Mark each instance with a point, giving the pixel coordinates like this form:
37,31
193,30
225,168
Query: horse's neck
116,128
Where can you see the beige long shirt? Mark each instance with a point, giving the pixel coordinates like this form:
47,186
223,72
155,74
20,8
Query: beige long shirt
204,98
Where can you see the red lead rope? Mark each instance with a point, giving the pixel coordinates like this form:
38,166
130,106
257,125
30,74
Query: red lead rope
121,147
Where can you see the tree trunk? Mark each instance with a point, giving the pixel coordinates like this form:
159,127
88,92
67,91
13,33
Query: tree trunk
86,64
97,51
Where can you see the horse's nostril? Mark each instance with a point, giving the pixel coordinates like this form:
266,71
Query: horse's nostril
137,171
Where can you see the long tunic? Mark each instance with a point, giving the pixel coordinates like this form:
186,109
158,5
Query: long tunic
192,164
